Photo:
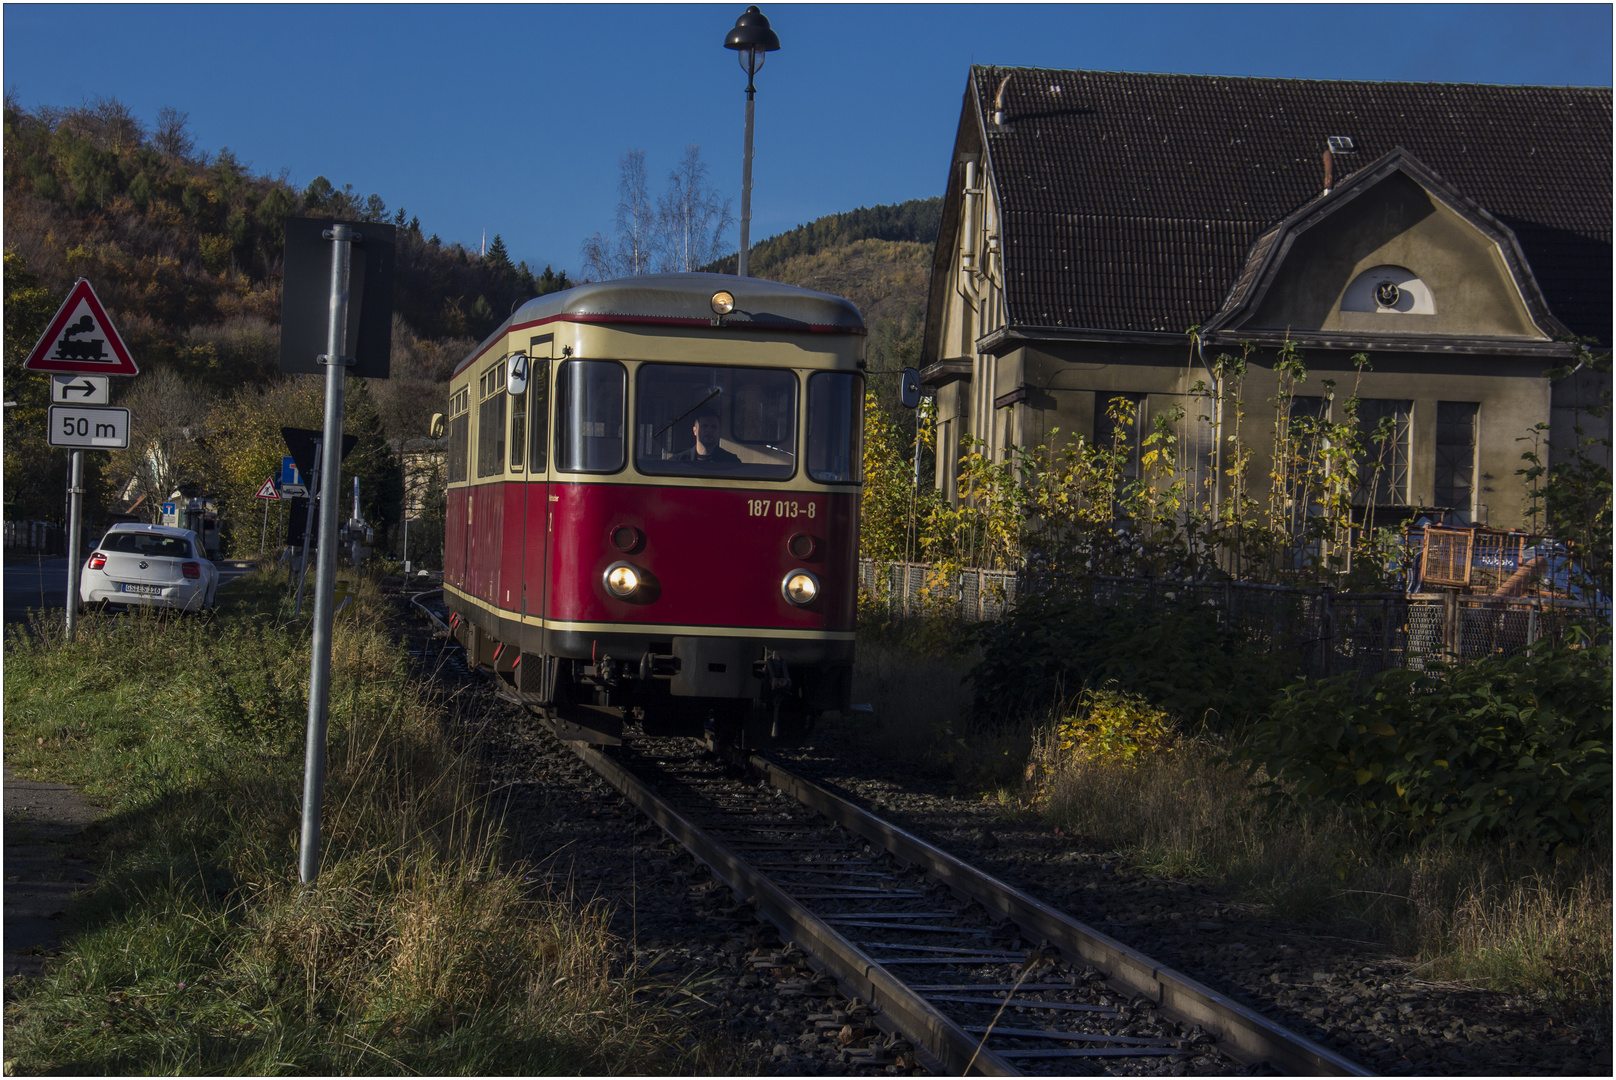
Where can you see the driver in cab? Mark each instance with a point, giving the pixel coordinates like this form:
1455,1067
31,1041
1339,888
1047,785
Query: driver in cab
706,451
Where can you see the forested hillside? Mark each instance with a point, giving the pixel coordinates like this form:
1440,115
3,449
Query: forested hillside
879,257
184,248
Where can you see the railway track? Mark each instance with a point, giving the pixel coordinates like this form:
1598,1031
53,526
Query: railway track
976,975
973,974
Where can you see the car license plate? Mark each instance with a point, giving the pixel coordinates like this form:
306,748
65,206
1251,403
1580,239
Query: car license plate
144,590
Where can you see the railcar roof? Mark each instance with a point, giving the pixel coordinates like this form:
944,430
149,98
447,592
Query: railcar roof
685,300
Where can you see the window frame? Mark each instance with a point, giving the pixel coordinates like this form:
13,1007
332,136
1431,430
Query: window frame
798,432
491,453
556,428
861,388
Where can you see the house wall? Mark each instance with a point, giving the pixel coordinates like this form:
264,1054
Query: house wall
1512,395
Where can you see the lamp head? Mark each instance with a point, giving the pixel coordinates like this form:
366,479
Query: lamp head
752,33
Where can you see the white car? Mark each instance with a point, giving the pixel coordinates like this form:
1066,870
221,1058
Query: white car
155,565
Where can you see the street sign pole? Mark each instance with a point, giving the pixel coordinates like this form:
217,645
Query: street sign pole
342,238
75,497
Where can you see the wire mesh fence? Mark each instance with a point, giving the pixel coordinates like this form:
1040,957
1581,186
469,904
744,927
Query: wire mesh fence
1331,633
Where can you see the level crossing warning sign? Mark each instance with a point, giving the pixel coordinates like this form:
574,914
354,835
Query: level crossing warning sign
267,489
81,338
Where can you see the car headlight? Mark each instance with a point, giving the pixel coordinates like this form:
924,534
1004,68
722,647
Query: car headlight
622,579
800,587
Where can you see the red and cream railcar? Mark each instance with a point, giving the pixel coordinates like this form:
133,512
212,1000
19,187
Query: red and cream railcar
653,505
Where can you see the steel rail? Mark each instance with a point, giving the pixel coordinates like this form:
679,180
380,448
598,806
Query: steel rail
893,1002
1242,1033
415,601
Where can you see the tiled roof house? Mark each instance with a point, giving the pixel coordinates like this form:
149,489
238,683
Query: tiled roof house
1457,234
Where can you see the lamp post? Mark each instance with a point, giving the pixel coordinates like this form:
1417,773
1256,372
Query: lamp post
753,41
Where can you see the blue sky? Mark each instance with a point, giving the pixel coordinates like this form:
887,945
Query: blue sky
512,118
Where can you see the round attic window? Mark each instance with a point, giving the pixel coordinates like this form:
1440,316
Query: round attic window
1388,290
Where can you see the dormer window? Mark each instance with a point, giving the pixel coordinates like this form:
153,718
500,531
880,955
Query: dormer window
1388,290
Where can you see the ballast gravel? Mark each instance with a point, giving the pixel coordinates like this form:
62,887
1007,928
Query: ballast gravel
694,943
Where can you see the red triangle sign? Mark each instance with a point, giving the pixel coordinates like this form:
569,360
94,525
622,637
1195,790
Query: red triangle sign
81,339
267,491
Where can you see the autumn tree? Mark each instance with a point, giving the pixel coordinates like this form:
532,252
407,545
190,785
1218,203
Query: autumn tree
167,425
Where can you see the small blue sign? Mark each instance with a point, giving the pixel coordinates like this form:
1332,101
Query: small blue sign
289,472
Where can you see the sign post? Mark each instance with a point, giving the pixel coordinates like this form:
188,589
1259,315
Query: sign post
80,340
267,492
358,334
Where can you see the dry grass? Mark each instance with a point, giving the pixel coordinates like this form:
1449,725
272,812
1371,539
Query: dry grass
420,948
1515,921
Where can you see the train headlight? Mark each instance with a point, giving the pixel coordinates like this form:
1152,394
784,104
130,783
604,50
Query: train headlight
622,579
800,587
723,302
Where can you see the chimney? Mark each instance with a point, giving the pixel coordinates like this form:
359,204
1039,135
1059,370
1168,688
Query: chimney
1335,144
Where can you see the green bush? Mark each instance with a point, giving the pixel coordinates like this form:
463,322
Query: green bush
1053,646
1516,749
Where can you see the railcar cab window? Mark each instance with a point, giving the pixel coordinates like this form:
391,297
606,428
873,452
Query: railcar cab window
701,420
836,427
459,434
491,421
589,416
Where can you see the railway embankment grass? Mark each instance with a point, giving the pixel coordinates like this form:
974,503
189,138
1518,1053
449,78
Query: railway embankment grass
421,949
1493,867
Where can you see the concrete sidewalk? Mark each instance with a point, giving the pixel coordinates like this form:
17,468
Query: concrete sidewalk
43,868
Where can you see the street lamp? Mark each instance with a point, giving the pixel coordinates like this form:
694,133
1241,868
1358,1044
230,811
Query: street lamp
753,41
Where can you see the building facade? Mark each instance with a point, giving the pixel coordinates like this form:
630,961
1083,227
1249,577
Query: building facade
1431,249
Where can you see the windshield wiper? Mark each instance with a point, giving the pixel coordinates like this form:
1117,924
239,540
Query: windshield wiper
714,392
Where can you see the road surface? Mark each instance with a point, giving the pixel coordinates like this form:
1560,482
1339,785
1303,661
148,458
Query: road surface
42,583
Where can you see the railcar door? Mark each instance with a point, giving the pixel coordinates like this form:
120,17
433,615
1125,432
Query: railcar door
536,524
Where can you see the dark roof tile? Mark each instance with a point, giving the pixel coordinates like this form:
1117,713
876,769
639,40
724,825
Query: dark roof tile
1131,201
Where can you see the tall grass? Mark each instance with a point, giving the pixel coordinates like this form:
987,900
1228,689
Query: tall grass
420,948
1514,919
1510,919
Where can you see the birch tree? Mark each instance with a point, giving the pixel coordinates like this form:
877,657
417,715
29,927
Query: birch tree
631,250
693,219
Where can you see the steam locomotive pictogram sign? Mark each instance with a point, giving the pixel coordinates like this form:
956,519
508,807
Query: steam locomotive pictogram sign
81,339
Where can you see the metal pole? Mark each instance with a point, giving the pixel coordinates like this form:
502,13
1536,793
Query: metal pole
308,526
325,579
746,182
75,497
263,535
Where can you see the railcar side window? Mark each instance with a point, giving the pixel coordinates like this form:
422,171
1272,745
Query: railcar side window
491,422
589,416
459,436
836,427
701,420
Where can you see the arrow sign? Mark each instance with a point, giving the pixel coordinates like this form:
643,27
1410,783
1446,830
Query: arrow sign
81,338
267,490
80,389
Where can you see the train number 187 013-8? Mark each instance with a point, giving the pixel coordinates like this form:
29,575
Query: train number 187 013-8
780,508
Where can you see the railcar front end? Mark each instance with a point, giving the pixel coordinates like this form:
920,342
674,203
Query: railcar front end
653,506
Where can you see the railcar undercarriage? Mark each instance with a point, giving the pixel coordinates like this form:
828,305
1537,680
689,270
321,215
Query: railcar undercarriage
735,692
